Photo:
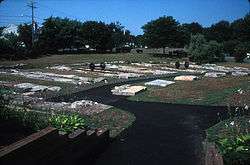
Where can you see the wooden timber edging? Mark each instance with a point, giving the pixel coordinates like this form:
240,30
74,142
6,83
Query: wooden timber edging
48,146
212,155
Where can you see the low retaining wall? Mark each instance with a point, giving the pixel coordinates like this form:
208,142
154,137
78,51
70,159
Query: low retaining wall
212,156
48,146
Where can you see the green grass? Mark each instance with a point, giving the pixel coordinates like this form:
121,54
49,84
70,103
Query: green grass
86,58
215,97
224,130
218,97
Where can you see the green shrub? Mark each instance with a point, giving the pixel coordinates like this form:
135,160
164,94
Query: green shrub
36,120
67,123
177,64
229,46
33,120
202,51
4,99
235,151
240,52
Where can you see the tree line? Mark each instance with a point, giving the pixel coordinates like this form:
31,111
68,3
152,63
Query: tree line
204,44
61,33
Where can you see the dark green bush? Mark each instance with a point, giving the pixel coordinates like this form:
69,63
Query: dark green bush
186,64
235,151
92,66
202,51
177,64
240,52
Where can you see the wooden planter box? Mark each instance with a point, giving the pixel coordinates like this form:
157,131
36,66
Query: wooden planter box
48,146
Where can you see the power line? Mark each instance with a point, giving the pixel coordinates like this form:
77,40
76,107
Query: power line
14,16
14,21
59,11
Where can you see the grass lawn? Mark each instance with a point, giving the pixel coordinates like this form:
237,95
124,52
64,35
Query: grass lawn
83,58
207,91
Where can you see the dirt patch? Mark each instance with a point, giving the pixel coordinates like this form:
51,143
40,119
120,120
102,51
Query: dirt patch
113,119
238,99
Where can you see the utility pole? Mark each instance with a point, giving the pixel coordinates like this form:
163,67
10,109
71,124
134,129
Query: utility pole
249,6
32,6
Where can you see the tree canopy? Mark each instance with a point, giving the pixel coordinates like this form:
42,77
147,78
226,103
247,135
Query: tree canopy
203,51
63,33
162,32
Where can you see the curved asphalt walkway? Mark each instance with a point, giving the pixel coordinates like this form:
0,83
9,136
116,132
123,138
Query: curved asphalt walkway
165,134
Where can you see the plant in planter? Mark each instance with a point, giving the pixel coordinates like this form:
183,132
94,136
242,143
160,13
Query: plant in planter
103,66
240,52
232,136
4,97
67,123
186,64
92,66
177,64
235,151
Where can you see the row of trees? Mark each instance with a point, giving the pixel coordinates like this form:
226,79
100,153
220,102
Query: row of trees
57,33
223,37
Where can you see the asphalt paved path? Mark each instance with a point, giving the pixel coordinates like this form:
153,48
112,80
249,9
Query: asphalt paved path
165,134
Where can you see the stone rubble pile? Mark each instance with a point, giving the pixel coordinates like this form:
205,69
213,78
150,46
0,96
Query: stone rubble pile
17,66
143,64
127,90
73,79
198,71
217,68
186,78
163,72
128,75
161,83
84,107
215,74
144,70
61,68
239,73
35,88
111,66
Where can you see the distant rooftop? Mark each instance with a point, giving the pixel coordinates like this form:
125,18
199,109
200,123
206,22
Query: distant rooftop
11,28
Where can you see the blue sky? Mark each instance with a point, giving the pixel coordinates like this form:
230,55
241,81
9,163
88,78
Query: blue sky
133,14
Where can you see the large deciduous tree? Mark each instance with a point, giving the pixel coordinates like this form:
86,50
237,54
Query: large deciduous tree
202,51
25,35
219,32
162,32
96,34
119,36
57,33
189,29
